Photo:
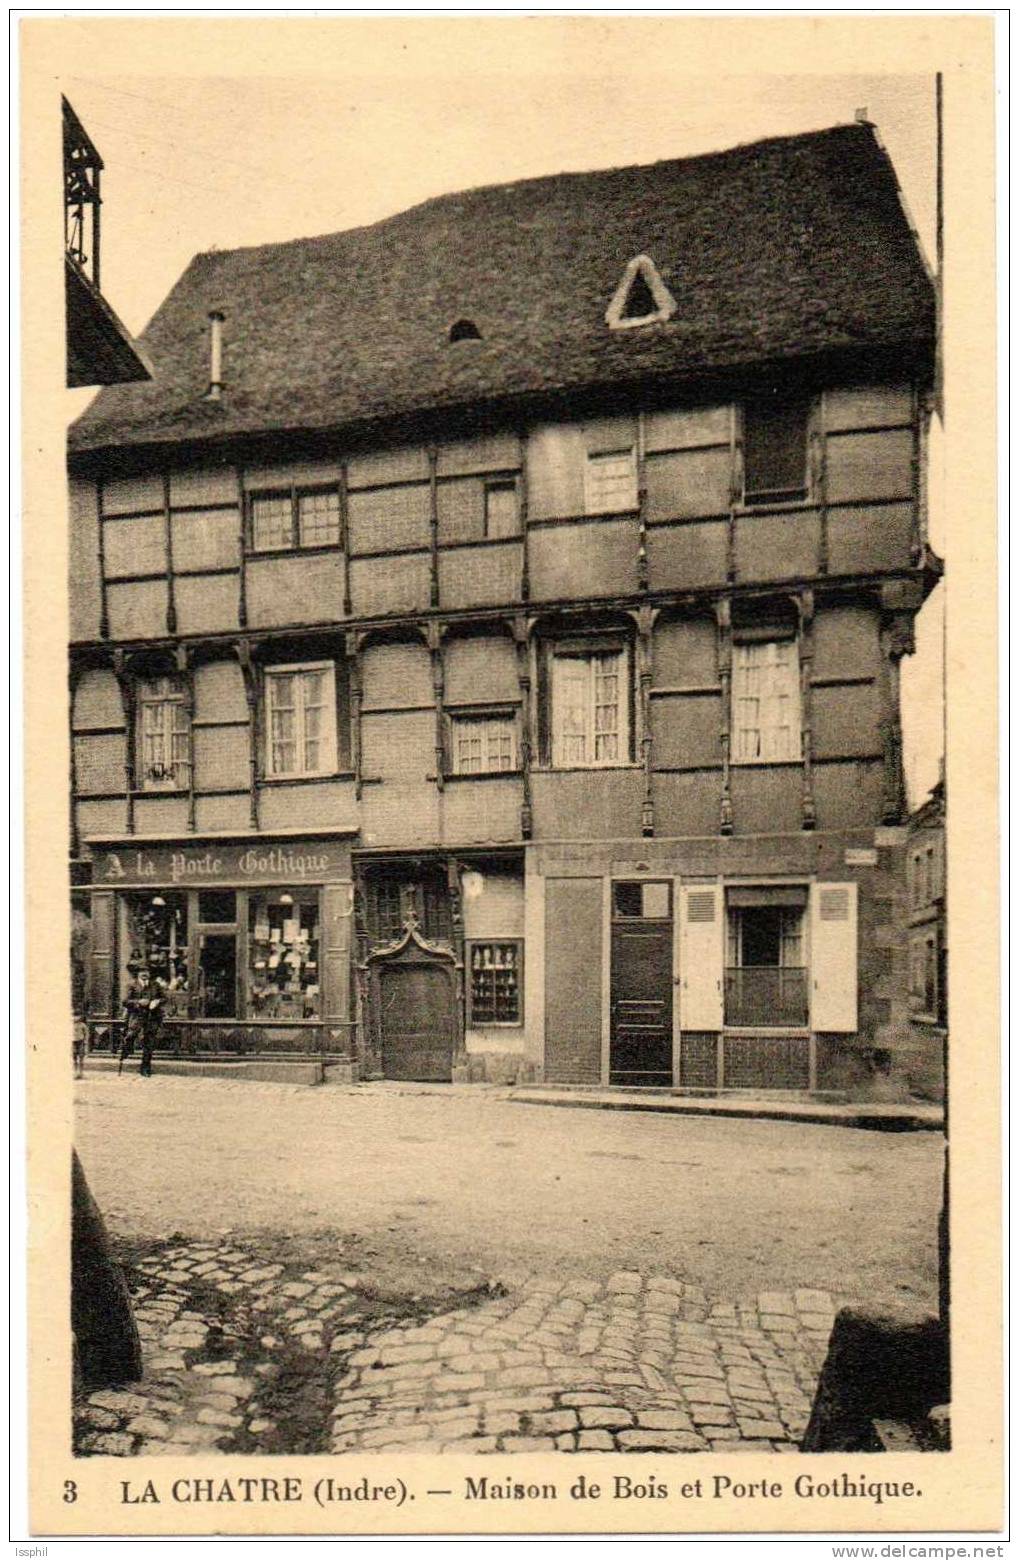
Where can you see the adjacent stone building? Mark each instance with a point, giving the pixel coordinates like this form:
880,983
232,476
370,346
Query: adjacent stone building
486,629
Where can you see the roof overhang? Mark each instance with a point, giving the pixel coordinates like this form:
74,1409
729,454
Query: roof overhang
100,350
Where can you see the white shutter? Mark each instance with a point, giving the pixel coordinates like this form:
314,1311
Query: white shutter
833,957
700,998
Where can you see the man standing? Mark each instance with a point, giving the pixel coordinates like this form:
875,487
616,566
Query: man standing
144,1008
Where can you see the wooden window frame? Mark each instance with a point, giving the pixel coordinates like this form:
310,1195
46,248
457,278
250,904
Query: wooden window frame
580,650
172,704
329,737
741,644
767,498
294,493
490,1024
508,715
592,506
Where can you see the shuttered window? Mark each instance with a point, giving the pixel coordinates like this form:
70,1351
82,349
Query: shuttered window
766,702
300,703
775,449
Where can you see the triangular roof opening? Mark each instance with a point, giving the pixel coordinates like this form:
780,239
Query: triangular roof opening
641,298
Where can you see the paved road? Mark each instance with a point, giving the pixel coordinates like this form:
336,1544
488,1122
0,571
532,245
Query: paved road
408,1179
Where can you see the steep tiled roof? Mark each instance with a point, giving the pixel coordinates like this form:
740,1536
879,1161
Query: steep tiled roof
782,248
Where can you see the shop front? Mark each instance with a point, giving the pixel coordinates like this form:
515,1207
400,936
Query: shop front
248,940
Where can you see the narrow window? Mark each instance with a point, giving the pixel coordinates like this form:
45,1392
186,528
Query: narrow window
775,450
766,976
590,709
610,482
483,743
301,720
296,518
502,512
766,702
496,983
163,736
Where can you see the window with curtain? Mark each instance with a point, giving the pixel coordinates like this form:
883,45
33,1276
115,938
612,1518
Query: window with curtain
766,724
164,740
300,705
590,712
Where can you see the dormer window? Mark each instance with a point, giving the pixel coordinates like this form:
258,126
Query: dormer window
464,330
641,298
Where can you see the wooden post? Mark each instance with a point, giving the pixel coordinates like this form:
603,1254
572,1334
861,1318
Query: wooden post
642,559
344,498
185,672
645,619
104,603
805,605
433,525
249,673
819,480
723,619
434,634
353,645
74,674
171,590
524,501
896,642
735,488
125,682
521,641
242,551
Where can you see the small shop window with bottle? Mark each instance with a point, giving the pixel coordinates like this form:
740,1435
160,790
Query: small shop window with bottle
495,982
283,977
155,929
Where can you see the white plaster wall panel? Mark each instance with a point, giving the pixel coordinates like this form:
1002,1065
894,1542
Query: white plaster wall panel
498,911
299,474
687,555
83,560
294,589
482,576
402,464
399,747
135,547
461,510
684,652
160,815
399,815
491,453
386,518
207,603
213,813
137,612
99,763
396,675
480,668
778,547
870,466
687,483
869,540
221,756
379,586
681,427
867,406
599,559
206,539
204,485
481,812
219,691
97,700
101,818
314,805
126,495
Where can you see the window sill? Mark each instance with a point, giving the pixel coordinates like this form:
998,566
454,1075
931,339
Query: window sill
482,775
795,1032
770,764
585,769
159,791
772,503
305,780
293,552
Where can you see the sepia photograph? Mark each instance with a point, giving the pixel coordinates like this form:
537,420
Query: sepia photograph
506,769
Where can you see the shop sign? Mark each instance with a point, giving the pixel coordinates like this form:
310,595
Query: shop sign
191,866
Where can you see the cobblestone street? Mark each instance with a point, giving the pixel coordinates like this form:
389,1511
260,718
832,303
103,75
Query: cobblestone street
300,1334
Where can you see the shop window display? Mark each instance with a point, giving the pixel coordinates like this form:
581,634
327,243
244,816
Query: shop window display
283,955
157,936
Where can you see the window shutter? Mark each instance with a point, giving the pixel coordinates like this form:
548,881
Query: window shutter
701,957
101,996
334,952
833,957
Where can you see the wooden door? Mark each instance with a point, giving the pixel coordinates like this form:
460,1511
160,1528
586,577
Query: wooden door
416,1021
640,1039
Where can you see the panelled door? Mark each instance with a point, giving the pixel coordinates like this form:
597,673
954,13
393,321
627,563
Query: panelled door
416,1013
640,1036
